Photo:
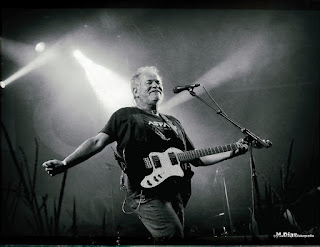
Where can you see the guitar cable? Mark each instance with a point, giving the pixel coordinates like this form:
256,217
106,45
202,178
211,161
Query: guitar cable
124,202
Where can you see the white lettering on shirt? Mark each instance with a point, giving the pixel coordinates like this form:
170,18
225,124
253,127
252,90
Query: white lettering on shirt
158,124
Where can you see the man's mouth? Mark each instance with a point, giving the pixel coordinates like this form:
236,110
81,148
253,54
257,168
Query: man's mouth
155,91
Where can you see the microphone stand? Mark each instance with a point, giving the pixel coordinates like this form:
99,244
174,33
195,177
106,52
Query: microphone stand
254,142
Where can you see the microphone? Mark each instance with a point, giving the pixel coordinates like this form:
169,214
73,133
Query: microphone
178,89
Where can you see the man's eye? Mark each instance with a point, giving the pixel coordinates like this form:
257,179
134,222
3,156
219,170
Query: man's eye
151,81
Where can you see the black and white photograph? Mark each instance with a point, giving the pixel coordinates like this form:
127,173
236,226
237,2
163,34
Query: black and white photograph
161,125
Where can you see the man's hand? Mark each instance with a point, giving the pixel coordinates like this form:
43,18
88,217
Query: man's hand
242,148
54,167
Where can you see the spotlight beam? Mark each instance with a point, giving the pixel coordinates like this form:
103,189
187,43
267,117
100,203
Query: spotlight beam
28,68
238,64
112,90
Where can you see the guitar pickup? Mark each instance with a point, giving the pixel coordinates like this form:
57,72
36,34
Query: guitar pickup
173,158
156,161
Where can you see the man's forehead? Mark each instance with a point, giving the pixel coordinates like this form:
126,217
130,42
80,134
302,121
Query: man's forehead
149,75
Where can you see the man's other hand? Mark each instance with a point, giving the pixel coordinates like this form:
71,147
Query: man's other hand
54,167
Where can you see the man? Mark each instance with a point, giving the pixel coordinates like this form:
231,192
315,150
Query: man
139,131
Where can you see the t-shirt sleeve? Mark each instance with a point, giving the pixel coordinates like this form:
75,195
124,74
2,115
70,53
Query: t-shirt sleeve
111,127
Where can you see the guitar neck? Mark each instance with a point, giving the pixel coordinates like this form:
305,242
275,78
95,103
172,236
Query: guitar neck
194,154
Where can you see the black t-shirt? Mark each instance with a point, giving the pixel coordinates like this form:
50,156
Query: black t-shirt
138,133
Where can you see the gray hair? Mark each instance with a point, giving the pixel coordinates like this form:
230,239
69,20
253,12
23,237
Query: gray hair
135,79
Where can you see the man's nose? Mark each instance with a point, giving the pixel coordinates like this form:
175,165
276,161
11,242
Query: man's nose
155,84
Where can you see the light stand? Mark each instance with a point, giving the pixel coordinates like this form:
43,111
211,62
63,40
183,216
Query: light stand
254,142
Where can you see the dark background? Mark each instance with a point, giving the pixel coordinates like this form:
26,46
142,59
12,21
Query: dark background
259,61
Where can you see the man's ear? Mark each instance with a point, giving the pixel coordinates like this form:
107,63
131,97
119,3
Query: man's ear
135,92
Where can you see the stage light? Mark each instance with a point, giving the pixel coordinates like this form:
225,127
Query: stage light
77,54
112,90
40,47
2,84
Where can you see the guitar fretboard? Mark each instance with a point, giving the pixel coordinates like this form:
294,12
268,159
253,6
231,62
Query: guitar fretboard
193,154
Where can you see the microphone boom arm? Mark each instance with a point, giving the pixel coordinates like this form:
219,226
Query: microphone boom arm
251,136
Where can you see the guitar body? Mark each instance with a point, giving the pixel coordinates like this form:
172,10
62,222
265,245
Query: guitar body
164,165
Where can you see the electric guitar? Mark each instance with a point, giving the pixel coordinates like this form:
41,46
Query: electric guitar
167,164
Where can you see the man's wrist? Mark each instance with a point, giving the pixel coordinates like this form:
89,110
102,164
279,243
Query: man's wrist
64,162
232,154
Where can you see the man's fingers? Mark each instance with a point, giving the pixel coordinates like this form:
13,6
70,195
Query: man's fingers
51,163
245,147
48,163
242,148
51,172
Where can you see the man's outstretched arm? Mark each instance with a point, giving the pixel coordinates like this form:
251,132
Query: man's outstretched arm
87,149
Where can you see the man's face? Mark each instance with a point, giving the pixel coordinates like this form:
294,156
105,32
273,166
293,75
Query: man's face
150,90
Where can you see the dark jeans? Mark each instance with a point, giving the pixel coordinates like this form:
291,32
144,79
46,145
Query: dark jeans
163,218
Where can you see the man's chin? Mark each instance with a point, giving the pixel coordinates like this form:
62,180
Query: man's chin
157,100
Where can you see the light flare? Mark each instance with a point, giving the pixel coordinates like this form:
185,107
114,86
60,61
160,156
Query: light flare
112,90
